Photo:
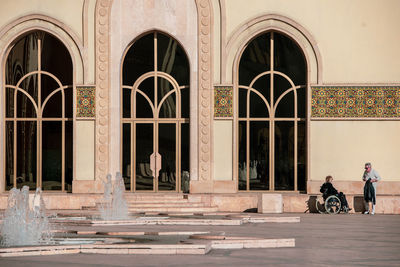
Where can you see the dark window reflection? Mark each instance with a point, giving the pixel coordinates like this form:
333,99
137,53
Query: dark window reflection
164,96
301,155
9,136
51,155
21,66
242,164
289,60
185,157
144,148
167,149
172,59
168,107
126,155
53,49
185,103
285,107
138,60
284,155
26,154
259,155
255,59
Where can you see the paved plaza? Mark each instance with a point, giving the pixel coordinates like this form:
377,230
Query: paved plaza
321,240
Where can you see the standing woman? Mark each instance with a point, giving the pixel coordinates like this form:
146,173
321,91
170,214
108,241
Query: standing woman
373,177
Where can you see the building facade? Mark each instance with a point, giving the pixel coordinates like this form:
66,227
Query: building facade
229,99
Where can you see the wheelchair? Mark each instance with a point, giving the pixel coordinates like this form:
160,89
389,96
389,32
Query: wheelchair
331,205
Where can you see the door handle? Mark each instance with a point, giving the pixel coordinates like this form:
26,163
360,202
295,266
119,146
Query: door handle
155,163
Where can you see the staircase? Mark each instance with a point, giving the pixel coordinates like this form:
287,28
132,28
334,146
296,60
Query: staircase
166,203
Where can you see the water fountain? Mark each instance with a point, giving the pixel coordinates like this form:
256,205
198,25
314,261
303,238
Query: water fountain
23,225
113,205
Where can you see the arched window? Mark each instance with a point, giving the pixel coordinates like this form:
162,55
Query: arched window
38,113
271,114
155,115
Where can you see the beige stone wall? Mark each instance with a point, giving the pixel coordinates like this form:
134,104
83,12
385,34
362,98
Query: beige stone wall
340,148
67,11
357,39
84,144
223,150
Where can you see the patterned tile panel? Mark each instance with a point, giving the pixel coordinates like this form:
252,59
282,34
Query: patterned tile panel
355,101
223,101
85,101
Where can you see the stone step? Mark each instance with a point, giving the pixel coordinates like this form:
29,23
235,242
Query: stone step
187,204
167,201
154,196
173,209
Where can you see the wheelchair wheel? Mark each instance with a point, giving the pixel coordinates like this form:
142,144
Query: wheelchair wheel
319,204
332,205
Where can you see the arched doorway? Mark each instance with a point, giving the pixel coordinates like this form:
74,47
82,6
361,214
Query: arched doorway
38,113
155,115
271,115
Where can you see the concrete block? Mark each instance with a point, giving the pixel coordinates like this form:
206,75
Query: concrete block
270,203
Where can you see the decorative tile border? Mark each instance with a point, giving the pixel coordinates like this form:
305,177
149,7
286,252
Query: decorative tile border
223,101
85,101
355,101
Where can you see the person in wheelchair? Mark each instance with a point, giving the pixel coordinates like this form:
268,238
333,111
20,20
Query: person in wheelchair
327,189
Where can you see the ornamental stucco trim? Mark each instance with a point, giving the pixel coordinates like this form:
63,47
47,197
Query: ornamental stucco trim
204,11
103,8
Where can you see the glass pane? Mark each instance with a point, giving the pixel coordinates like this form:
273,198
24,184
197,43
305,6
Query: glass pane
301,155
259,155
289,59
9,134
9,102
126,155
48,86
242,169
138,60
68,102
255,59
284,155
172,59
68,155
25,108
51,155
53,107
126,100
301,102
285,108
167,149
56,59
242,103
144,148
185,103
22,59
143,107
185,157
26,154
258,108
168,108
263,85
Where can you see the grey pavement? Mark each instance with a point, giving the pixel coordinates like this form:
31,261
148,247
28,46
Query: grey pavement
321,240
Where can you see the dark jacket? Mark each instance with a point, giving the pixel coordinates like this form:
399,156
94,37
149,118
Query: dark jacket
327,190
369,192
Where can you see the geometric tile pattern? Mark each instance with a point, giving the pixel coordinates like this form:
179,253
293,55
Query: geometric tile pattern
223,101
355,101
86,101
